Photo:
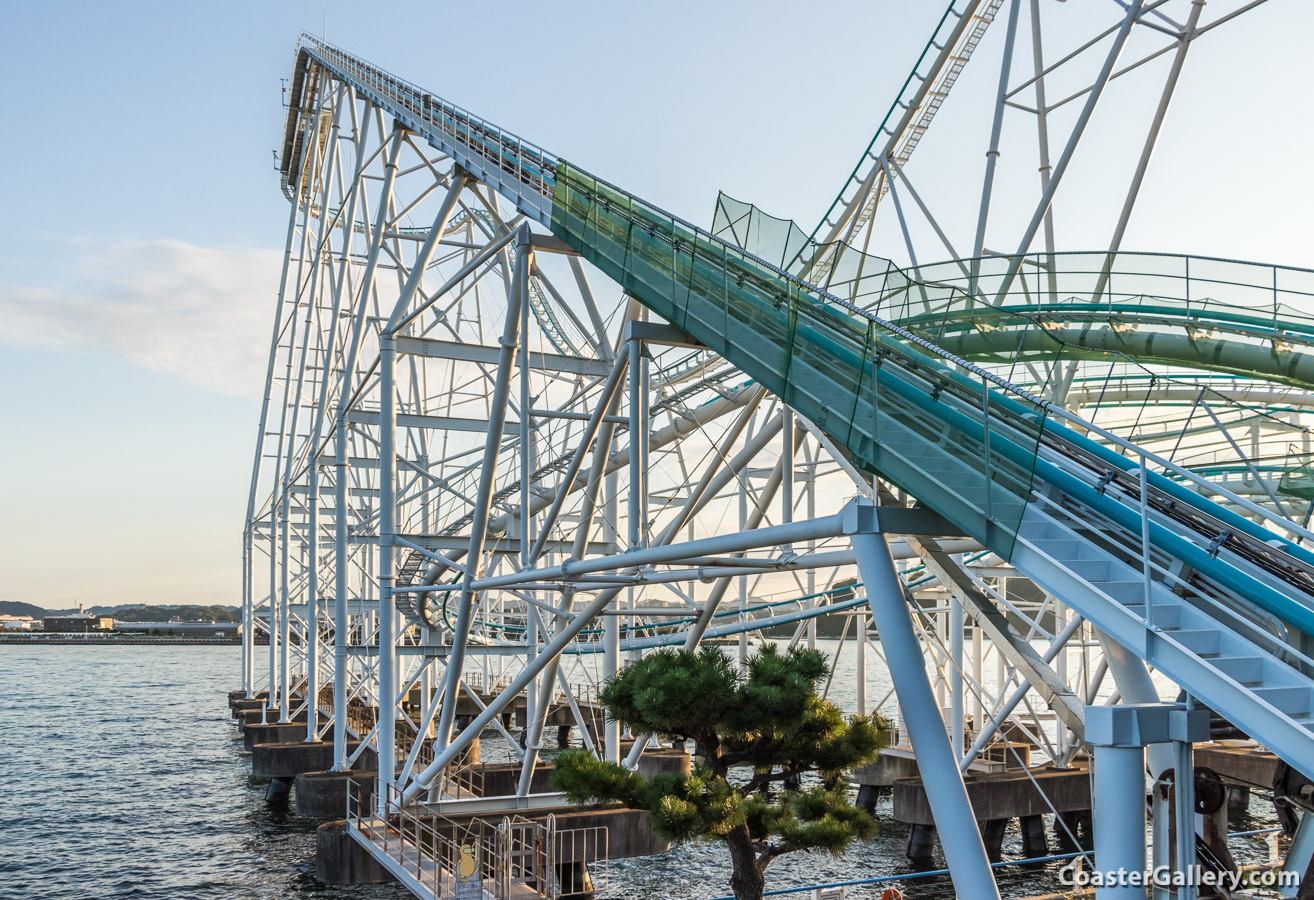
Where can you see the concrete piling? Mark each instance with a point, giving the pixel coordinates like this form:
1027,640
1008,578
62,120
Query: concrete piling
288,760
340,860
323,795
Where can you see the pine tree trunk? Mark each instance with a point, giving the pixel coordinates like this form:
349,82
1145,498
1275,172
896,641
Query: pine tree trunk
745,878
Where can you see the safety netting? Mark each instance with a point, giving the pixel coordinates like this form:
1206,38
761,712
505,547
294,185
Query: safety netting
1239,318
1198,360
941,430
1297,475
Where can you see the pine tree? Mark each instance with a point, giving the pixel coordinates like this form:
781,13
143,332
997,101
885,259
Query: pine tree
768,727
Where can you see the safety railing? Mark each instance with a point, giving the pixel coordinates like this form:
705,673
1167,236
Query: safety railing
1200,287
459,780
435,851
1271,632
511,857
579,859
525,161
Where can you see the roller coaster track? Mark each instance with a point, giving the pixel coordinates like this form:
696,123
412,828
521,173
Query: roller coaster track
1218,603
960,29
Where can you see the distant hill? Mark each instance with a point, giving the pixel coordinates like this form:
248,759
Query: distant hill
172,613
15,608
133,612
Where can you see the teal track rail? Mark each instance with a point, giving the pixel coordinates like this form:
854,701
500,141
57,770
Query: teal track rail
893,400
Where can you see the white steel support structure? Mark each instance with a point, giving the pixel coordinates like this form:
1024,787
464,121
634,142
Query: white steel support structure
503,478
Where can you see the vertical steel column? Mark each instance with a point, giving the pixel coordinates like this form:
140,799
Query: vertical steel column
387,699
247,671
274,690
992,153
788,447
610,666
964,850
538,701
860,620
638,488
1062,616
956,711
1160,838
978,671
742,492
312,603
284,612
1119,815
811,499
1184,811
341,524
483,499
1135,686
638,506
610,533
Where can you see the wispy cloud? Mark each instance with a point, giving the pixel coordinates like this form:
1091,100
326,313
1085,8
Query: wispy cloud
201,313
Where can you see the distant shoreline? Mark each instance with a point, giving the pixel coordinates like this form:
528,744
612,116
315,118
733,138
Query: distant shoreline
104,640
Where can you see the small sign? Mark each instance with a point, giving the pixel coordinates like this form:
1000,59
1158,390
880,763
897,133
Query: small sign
469,884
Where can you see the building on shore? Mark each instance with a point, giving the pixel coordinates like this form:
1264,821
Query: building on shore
78,623
181,629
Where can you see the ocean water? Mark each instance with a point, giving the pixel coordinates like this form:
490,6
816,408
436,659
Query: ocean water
125,778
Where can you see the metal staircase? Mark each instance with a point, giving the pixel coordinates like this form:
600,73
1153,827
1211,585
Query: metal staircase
409,603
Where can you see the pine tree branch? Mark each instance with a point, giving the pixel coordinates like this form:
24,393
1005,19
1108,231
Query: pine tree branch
743,756
762,779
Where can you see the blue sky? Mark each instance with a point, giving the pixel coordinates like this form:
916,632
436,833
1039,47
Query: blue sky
139,256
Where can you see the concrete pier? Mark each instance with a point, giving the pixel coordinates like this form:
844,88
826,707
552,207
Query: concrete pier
241,707
277,734
235,697
340,860
323,795
301,769
887,769
1006,795
288,760
996,799
270,717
